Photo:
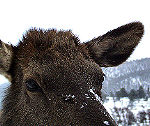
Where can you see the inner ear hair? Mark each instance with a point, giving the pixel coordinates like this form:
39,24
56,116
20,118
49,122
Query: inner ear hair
114,47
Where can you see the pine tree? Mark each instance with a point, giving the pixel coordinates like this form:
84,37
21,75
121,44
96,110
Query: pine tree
141,93
132,95
111,94
123,92
118,95
148,92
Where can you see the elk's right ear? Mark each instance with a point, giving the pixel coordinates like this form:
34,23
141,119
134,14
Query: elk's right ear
114,47
6,54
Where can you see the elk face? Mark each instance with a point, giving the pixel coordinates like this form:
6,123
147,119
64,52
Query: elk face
57,81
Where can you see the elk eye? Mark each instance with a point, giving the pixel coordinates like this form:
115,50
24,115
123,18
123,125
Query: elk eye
32,86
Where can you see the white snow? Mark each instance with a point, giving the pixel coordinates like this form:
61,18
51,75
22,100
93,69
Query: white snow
135,107
96,96
3,80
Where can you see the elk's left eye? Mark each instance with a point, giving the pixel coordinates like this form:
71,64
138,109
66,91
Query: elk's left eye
32,86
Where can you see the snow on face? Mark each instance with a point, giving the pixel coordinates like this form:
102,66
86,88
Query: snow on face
96,96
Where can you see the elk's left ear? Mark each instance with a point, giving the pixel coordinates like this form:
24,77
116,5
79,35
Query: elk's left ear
116,46
6,54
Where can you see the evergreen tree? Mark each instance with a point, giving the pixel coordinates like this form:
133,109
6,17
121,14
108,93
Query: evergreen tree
118,95
141,93
111,94
133,94
148,92
121,93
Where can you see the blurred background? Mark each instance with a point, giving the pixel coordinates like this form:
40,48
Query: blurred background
126,92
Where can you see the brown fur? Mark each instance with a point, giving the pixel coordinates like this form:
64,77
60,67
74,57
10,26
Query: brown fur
65,71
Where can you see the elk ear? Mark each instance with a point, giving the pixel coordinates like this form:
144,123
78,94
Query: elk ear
6,52
116,46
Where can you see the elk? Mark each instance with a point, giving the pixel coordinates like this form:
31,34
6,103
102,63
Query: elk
55,79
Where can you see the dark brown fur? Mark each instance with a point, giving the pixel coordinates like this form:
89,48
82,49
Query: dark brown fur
66,72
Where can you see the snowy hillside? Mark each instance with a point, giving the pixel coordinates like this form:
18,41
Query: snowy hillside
129,75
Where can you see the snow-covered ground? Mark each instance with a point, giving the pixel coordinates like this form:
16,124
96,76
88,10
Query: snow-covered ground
120,109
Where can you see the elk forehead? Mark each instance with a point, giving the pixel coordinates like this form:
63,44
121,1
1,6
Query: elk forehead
39,41
59,61
45,48
63,70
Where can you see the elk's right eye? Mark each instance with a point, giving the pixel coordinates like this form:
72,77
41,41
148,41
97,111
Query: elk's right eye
32,86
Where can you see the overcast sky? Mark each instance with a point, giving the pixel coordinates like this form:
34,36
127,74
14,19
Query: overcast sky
86,18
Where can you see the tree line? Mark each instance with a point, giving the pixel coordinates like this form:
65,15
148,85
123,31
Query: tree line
132,94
